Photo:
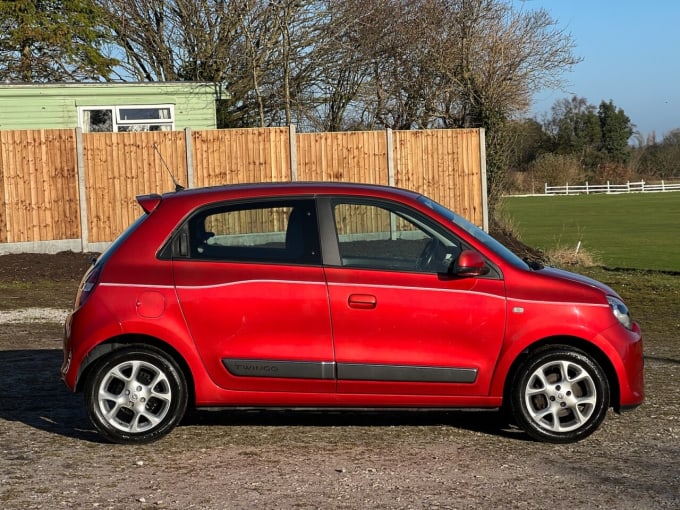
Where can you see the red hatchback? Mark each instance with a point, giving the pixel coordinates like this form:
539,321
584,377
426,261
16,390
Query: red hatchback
322,295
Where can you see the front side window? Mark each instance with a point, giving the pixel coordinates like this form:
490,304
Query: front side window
277,232
98,119
378,236
476,232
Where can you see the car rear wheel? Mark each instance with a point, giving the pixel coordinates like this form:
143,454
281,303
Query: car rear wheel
135,395
559,395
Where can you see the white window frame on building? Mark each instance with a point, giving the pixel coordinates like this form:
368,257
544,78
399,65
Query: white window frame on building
126,118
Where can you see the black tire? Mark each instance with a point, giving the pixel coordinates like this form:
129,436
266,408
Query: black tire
559,395
135,395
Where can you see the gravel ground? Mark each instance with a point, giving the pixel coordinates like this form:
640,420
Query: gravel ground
50,457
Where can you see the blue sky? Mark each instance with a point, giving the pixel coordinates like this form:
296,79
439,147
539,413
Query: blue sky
631,55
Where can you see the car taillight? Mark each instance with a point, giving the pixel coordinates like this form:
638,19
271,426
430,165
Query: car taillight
87,286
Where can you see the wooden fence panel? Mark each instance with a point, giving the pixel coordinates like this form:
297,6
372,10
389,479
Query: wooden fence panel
356,156
233,156
120,166
444,165
38,186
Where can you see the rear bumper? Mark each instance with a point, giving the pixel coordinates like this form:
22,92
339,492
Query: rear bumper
68,355
84,329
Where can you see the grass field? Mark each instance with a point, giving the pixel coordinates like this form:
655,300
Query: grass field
640,230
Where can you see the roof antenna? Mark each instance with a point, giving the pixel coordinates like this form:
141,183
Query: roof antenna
178,186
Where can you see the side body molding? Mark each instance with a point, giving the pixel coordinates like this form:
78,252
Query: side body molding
348,371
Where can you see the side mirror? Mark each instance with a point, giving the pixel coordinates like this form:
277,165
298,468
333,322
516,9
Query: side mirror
470,263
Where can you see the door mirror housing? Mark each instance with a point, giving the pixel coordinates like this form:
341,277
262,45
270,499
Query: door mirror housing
470,263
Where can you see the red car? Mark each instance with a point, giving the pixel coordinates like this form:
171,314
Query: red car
320,295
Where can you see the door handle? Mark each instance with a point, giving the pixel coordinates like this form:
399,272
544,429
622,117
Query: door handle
362,301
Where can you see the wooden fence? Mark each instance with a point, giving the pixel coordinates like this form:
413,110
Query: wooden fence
65,190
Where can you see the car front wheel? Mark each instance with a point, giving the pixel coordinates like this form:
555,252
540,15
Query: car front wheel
135,395
560,395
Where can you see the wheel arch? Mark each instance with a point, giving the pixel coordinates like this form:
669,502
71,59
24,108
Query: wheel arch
143,341
568,341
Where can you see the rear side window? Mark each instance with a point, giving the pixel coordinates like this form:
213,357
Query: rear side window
274,232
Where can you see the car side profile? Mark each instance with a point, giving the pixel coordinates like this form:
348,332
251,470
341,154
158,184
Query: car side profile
328,295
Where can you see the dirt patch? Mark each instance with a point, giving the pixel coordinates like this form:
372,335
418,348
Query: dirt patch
50,457
31,267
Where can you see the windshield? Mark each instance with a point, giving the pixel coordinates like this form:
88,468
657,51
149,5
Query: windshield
475,232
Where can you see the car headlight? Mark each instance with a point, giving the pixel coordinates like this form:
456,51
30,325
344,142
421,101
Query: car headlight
620,311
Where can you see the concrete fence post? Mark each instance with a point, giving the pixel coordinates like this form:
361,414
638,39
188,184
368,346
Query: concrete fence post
390,177
485,189
292,149
189,156
390,157
82,191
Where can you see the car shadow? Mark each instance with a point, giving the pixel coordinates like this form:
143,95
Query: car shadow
490,422
33,394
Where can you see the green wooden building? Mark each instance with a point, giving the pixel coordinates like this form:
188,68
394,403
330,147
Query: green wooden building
111,107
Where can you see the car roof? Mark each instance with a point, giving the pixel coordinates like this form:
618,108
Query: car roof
278,189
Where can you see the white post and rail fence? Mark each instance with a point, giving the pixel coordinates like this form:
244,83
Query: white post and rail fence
628,187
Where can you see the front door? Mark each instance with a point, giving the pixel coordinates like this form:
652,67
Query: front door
401,324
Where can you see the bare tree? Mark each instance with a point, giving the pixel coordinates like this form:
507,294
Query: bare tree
260,53
167,40
397,59
455,63
335,94
338,64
